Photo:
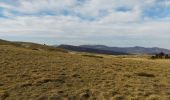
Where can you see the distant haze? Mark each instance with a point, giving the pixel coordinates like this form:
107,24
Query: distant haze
102,49
122,23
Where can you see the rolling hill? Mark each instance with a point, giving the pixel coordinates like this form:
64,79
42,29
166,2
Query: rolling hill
28,74
32,46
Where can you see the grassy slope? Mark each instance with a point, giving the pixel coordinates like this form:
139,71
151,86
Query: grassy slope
32,46
29,74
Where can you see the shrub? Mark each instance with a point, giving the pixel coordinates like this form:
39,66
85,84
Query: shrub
145,74
94,56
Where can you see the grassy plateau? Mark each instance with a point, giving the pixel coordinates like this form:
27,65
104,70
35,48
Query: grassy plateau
43,74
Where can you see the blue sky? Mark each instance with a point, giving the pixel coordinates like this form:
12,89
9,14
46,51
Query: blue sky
109,22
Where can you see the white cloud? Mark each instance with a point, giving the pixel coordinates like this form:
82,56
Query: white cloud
117,17
108,21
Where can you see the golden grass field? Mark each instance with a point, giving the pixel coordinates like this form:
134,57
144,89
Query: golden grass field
27,74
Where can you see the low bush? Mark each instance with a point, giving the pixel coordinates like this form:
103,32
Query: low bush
93,56
145,74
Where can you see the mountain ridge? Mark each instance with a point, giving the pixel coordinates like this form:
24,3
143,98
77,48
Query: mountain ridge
123,50
90,50
131,50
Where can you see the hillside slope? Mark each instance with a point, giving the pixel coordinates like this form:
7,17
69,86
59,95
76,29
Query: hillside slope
4,42
27,74
32,46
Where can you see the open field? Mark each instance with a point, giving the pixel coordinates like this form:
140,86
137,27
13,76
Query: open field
27,74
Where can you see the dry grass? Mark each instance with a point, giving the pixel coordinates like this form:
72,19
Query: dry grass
27,74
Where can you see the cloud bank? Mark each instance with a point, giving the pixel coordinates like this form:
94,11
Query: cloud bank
109,22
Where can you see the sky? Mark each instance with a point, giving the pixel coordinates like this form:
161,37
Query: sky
120,23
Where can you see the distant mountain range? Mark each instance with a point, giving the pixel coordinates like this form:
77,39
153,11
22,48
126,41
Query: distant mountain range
102,49
91,50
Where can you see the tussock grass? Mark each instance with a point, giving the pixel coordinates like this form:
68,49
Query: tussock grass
27,74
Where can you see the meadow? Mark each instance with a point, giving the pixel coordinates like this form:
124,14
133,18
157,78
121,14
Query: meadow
33,74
